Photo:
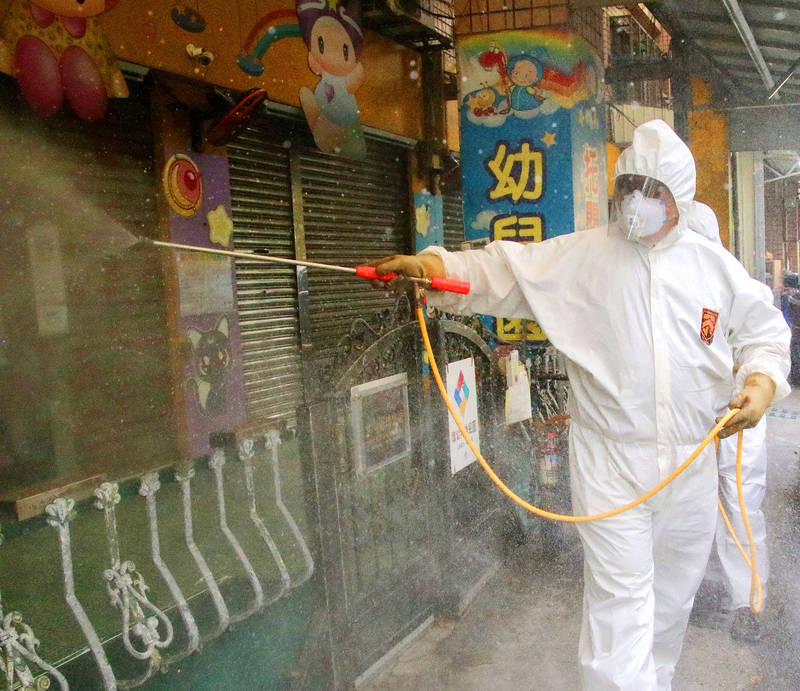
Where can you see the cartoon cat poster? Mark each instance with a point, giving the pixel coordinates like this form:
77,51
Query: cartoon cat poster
211,360
198,189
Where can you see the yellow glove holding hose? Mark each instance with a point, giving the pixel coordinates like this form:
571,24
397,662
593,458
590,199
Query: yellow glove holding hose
752,401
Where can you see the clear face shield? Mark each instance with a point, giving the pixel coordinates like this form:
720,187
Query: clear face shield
642,207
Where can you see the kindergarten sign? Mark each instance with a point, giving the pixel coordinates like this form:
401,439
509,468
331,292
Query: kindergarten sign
532,139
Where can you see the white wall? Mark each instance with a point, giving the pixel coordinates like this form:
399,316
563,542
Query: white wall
749,210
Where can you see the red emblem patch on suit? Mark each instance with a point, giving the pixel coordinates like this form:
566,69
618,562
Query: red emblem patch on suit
708,325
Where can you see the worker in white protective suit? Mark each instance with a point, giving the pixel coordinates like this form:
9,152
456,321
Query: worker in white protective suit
726,567
649,318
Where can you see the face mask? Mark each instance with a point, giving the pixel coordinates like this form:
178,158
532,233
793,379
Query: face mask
641,216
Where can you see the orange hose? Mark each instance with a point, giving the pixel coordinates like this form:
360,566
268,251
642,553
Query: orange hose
755,585
756,588
566,518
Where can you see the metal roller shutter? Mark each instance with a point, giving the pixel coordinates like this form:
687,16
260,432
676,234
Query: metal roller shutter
355,212
267,294
97,386
121,344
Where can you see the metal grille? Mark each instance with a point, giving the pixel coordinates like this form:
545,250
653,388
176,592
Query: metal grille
440,13
591,24
452,199
475,16
355,212
780,211
634,37
120,351
267,294
417,24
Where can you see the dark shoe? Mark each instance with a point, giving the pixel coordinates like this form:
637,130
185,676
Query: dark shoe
745,627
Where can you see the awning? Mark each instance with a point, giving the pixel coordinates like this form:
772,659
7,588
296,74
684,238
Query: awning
749,49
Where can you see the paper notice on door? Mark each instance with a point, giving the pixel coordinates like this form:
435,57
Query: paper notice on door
47,272
460,378
518,403
518,391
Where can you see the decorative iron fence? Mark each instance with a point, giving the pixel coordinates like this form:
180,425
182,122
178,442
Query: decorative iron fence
126,588
401,539
158,628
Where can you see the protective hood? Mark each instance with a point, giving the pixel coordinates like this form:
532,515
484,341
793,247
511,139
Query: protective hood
659,153
703,221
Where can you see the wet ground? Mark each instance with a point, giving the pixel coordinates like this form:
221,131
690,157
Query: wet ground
521,631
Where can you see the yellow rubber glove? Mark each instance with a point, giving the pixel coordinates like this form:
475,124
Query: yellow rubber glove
419,266
753,399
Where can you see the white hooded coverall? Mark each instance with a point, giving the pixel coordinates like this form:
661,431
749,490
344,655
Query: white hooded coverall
730,567
646,389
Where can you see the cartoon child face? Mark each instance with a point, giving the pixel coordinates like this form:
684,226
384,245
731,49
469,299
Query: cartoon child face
76,8
525,73
330,49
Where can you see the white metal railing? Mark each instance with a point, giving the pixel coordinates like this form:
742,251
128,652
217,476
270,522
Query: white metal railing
18,646
145,629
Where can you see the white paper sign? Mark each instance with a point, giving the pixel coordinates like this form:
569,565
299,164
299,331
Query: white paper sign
204,283
518,391
49,288
460,381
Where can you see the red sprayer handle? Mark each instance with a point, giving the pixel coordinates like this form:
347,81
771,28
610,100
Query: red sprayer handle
446,284
451,286
370,273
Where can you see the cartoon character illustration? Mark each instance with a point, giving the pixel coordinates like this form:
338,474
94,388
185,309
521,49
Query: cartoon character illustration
334,38
56,49
483,101
494,60
211,357
525,72
524,82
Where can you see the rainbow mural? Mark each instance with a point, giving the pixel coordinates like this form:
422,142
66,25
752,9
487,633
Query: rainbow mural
269,29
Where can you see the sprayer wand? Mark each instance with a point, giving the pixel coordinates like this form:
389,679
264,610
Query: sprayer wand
367,272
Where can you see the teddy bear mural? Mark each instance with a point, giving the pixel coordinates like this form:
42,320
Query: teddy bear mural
56,50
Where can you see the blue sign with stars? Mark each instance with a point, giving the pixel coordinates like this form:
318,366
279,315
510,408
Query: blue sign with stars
532,141
524,101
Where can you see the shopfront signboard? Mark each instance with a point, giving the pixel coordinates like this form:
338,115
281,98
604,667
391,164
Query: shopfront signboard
532,140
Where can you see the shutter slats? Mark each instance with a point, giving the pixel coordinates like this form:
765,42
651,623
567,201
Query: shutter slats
354,211
109,370
261,200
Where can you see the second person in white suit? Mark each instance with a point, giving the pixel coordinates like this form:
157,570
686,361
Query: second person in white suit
727,567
